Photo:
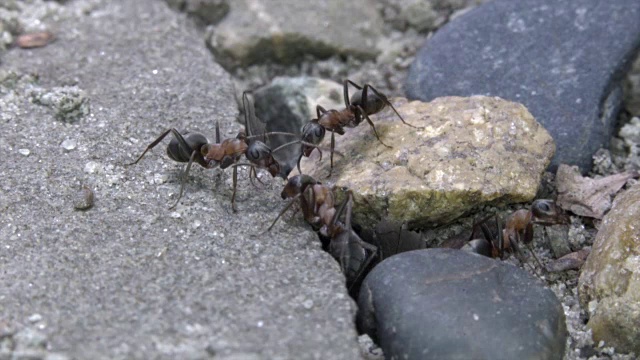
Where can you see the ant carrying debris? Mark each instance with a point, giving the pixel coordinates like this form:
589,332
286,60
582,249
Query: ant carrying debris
193,147
357,108
318,205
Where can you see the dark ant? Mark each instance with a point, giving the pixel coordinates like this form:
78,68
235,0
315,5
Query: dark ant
518,229
357,108
318,206
192,147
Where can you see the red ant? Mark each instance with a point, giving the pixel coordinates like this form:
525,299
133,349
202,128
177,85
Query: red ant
518,229
357,108
318,206
193,147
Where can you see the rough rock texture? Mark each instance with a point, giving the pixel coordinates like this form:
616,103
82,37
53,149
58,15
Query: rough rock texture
422,15
471,151
632,89
286,104
209,11
285,31
630,135
450,304
128,278
609,285
563,60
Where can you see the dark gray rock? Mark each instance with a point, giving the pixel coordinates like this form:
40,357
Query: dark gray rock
450,304
563,60
128,278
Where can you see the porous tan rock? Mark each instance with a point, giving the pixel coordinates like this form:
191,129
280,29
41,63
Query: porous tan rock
609,285
467,152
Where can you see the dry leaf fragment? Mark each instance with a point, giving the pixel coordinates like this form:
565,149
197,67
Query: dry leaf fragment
34,40
572,261
585,196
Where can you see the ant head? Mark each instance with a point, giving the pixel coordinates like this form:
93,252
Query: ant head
547,212
312,130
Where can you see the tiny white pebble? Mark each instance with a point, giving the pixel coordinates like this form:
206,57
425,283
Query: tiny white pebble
91,167
260,323
160,178
35,318
175,215
196,224
24,152
69,144
476,317
308,304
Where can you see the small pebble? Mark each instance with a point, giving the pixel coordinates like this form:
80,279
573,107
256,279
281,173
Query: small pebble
35,318
83,199
24,152
308,304
69,144
91,167
35,39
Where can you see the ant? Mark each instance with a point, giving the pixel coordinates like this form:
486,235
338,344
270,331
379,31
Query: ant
518,229
193,147
318,206
357,108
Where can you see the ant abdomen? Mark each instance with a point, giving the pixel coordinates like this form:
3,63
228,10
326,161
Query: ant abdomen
182,154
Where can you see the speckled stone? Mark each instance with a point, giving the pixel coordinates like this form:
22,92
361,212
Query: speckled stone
609,285
468,152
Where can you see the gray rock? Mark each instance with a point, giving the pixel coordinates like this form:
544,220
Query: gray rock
286,104
69,103
466,152
285,31
422,15
610,277
558,239
130,279
563,60
209,11
450,304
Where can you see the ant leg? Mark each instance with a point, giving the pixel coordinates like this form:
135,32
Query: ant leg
298,163
253,174
284,210
373,127
235,185
155,142
501,244
333,146
528,242
297,142
185,173
386,101
265,135
345,91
